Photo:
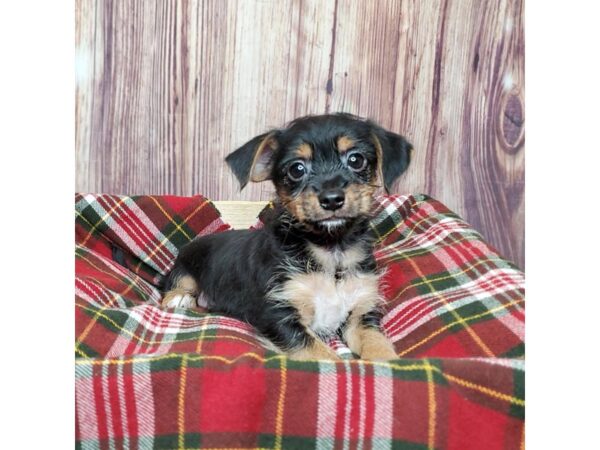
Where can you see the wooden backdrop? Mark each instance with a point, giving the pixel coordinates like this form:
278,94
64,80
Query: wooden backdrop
165,89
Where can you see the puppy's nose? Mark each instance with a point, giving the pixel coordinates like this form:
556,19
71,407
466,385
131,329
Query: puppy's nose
332,199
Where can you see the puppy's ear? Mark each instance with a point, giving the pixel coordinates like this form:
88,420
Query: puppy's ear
393,154
253,161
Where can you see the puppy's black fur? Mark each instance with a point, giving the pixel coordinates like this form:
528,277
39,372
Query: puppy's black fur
310,272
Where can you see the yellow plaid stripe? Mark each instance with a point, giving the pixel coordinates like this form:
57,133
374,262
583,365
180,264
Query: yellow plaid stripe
486,390
454,313
423,365
401,255
449,276
382,237
465,319
177,228
133,281
181,404
93,227
432,407
170,217
99,313
281,404
87,330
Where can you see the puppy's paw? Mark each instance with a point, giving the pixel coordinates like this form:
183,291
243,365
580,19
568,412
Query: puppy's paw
374,346
377,348
176,299
316,351
379,354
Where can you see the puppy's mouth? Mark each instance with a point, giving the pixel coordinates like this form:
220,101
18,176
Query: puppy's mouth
331,224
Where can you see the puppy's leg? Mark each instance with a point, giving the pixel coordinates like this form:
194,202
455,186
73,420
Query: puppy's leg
183,291
286,330
314,348
365,338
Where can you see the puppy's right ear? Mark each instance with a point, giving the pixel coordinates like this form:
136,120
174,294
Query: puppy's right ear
253,161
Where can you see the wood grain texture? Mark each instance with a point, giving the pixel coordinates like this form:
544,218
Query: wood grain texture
166,89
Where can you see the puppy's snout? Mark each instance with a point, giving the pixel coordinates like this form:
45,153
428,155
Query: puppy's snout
332,199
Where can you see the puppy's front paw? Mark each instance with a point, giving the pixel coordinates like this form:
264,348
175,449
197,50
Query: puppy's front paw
315,351
385,353
377,348
175,299
374,346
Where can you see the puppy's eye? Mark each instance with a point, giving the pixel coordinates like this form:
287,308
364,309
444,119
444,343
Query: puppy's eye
357,162
296,171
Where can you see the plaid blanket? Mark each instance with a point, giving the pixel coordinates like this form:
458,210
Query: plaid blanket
150,377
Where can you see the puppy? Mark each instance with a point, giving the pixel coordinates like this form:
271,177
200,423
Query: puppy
309,274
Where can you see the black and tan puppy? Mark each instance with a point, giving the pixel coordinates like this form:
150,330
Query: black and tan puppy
310,272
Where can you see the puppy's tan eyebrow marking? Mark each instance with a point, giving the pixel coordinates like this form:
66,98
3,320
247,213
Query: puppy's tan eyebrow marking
304,151
344,143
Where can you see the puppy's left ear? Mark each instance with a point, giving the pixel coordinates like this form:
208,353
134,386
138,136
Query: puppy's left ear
253,161
393,154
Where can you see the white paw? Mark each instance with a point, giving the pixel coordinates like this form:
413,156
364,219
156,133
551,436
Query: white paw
202,301
182,301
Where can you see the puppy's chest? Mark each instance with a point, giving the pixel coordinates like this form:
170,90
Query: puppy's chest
326,296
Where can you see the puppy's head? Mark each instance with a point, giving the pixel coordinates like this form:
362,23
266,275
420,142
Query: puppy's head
325,168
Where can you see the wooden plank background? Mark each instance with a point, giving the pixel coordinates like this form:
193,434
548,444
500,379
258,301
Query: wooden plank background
166,89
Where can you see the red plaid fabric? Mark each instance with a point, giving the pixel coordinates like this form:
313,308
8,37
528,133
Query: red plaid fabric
149,377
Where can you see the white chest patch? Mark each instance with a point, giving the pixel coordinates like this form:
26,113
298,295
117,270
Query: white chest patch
325,302
333,301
